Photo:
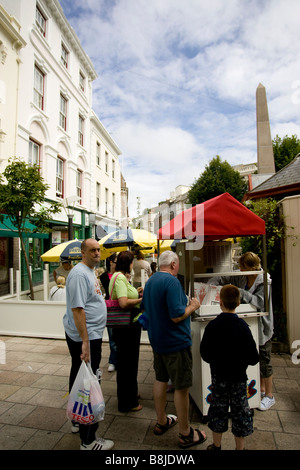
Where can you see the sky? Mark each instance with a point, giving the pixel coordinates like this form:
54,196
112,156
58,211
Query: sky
177,82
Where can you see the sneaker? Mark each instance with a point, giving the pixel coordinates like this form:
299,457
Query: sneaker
99,374
111,368
98,444
266,403
75,427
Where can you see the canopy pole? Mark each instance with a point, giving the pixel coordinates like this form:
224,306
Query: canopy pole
191,263
158,254
265,273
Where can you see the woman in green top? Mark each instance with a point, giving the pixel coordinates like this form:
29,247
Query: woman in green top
127,338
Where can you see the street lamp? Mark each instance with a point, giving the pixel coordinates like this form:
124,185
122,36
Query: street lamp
68,204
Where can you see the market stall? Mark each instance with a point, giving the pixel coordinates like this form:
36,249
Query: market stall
208,226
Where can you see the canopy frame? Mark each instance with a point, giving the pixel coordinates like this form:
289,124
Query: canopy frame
217,209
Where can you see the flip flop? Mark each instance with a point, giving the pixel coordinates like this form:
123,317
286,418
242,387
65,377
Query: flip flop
160,429
136,408
188,441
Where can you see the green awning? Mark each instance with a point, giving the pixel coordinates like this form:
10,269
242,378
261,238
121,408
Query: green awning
7,229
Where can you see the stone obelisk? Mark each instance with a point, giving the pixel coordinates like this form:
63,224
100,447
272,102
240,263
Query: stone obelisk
265,155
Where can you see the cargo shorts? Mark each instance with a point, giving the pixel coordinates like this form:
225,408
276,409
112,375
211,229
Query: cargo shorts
233,395
265,351
176,366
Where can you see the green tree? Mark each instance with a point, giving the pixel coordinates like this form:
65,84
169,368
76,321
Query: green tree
285,150
218,178
22,197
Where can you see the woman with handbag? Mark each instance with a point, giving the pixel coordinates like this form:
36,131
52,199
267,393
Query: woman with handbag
104,279
127,338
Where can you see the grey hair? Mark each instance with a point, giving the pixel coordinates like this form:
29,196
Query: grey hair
168,257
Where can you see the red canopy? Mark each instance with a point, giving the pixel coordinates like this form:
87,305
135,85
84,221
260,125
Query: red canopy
218,218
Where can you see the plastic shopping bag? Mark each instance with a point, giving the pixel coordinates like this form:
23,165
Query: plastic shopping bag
86,403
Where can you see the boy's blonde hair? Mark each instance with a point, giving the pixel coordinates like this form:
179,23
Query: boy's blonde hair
230,296
61,281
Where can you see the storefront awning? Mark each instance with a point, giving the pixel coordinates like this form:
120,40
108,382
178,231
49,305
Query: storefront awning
7,229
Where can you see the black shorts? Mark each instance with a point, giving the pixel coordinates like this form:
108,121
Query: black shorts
233,395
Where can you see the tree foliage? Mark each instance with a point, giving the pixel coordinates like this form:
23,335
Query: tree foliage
285,150
22,197
218,178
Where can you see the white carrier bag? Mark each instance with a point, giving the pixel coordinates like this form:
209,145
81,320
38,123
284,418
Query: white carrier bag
86,403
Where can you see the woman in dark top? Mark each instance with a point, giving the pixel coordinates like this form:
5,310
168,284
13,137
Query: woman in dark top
105,279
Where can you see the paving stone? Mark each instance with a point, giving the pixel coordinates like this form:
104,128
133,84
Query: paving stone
7,390
267,420
29,366
16,413
123,425
43,440
286,441
260,440
10,377
51,382
50,419
22,395
290,421
50,398
14,437
68,442
286,386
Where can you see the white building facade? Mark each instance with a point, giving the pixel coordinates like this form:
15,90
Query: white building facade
56,126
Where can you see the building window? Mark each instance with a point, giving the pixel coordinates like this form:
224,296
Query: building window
63,112
59,177
113,202
98,188
79,185
38,90
81,81
34,153
80,130
113,172
40,21
98,154
64,58
106,162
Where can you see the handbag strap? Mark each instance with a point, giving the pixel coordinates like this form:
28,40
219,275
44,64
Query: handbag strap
113,285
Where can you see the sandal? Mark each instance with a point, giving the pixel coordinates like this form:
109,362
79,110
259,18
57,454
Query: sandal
136,408
160,429
188,441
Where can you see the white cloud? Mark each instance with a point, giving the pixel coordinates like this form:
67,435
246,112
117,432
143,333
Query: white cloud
160,159
177,81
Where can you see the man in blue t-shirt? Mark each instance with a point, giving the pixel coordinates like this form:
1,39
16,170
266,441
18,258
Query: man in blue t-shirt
169,331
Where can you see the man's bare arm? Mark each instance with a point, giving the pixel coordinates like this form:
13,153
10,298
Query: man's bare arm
80,322
193,305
